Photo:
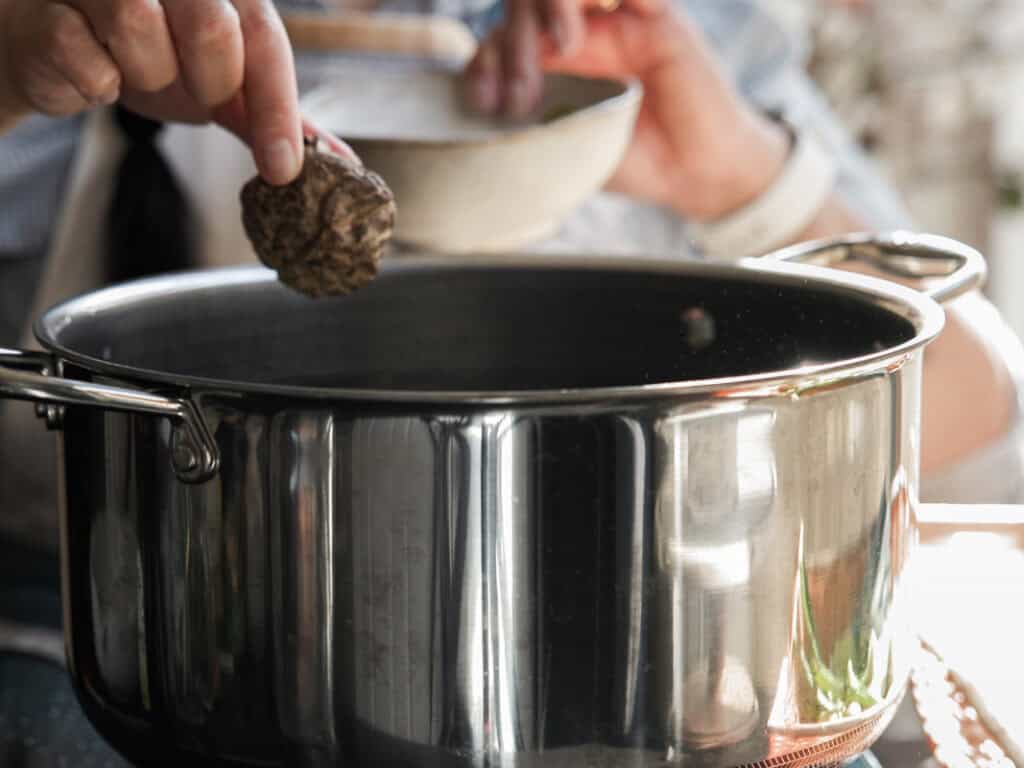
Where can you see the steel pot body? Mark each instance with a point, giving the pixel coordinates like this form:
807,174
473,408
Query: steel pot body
573,570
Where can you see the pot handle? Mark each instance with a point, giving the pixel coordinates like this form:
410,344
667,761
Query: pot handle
27,376
900,254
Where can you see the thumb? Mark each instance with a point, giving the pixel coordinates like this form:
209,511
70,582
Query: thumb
311,129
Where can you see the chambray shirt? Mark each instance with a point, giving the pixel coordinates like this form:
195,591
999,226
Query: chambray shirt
765,63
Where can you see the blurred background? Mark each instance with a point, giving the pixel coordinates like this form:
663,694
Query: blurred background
932,89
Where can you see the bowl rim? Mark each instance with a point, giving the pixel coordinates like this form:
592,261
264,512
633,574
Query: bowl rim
627,99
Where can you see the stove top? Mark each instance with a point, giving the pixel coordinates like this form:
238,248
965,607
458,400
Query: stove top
42,725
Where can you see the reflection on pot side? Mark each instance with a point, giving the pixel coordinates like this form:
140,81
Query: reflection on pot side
521,586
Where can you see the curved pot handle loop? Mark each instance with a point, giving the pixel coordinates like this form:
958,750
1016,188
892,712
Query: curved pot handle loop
904,255
193,448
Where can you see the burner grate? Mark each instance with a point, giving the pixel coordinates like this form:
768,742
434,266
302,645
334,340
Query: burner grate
831,753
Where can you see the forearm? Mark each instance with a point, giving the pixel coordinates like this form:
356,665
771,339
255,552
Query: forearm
746,152
729,185
963,365
966,365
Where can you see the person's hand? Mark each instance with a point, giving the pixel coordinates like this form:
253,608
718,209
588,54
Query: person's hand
179,60
698,147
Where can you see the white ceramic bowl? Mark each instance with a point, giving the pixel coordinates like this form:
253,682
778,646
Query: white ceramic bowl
464,183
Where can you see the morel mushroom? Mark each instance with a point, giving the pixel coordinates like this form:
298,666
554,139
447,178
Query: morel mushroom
324,232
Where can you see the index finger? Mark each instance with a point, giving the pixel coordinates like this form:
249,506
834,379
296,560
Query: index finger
523,79
270,92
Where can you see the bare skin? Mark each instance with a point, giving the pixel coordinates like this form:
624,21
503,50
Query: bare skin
199,61
230,63
692,126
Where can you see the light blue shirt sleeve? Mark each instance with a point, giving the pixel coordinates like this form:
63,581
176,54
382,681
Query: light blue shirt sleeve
765,62
35,158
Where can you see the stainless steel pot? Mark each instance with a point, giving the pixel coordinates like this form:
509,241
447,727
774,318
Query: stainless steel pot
504,511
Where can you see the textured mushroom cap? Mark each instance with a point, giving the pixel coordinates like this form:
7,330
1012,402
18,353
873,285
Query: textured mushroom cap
323,233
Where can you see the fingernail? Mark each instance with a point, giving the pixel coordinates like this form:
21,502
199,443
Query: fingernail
281,163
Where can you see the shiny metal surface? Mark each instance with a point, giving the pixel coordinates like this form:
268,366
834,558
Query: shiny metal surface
195,453
491,517
238,329
42,642
683,583
901,254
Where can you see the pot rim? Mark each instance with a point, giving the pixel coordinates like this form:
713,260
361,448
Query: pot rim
924,313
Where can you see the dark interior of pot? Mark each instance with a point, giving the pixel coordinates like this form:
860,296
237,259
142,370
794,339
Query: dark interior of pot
485,329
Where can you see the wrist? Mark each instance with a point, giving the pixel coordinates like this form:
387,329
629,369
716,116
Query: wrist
790,206
735,171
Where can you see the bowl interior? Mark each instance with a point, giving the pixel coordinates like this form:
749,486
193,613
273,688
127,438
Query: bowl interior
383,104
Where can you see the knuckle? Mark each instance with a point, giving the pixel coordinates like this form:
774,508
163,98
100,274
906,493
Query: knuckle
210,43
212,30
66,27
265,40
131,18
261,25
517,67
61,101
99,82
